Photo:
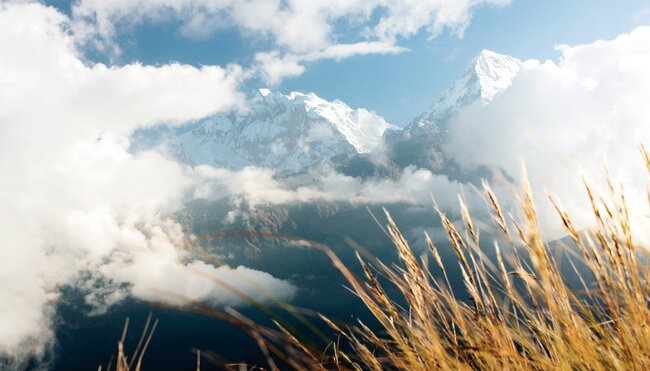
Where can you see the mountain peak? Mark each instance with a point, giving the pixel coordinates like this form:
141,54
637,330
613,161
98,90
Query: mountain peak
495,72
421,142
487,54
488,74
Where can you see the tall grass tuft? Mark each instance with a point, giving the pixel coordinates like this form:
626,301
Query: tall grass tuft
122,362
522,311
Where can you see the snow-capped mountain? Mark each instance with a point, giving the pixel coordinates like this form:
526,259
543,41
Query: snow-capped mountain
419,142
294,132
284,132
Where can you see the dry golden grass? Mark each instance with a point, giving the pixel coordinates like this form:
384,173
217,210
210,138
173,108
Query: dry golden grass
522,313
122,362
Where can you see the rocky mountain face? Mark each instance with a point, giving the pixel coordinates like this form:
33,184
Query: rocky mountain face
287,133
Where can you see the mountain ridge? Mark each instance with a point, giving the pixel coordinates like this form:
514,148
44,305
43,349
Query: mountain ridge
293,132
285,132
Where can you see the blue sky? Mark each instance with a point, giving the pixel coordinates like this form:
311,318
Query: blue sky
397,86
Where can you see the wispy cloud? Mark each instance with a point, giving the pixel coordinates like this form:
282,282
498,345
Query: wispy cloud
300,26
301,31
273,67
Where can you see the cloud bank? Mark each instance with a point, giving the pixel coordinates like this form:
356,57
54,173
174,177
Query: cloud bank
259,186
77,208
566,119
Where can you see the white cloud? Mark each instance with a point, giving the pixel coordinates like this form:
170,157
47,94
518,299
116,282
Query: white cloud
567,118
74,201
157,279
258,186
301,30
342,51
406,17
273,68
300,26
